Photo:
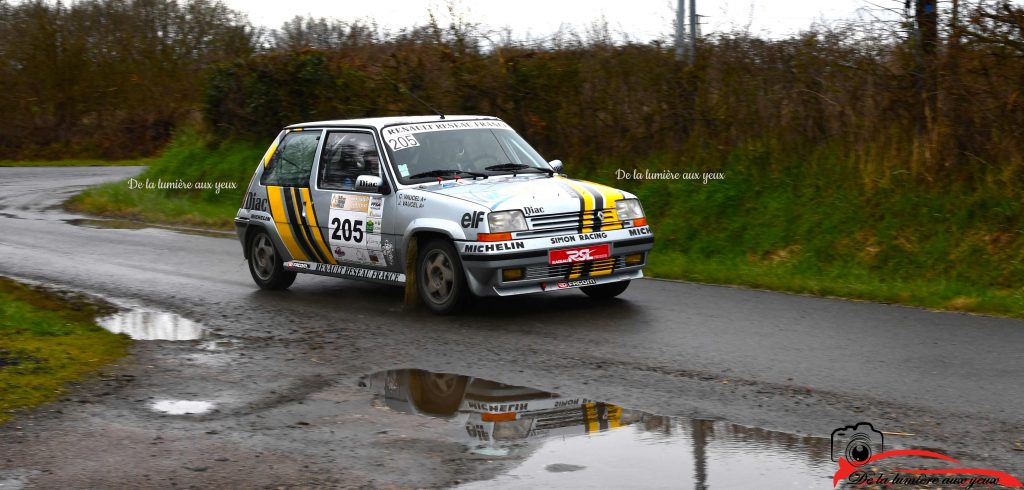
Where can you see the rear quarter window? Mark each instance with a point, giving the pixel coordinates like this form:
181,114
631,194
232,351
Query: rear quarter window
293,161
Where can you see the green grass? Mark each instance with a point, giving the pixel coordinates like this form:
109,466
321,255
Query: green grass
813,227
74,163
45,342
809,224
191,158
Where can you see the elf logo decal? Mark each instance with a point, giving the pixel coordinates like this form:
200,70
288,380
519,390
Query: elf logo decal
582,254
472,220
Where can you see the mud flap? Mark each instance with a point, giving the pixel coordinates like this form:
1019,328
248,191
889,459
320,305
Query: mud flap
412,297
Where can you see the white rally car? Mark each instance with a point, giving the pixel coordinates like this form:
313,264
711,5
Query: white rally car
457,205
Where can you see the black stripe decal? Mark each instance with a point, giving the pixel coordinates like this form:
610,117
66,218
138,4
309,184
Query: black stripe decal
321,229
602,417
293,221
638,241
520,255
586,268
306,229
586,421
573,269
598,205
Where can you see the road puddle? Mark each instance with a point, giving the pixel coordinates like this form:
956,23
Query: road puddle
142,324
559,441
182,407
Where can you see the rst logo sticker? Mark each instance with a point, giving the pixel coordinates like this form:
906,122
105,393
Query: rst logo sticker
581,254
472,220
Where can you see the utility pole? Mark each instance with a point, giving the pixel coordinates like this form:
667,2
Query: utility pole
686,46
681,31
925,71
693,32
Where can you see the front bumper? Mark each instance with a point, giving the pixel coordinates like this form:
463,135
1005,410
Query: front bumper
484,262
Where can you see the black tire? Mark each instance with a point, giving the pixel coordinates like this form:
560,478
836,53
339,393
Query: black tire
437,393
265,263
605,291
440,279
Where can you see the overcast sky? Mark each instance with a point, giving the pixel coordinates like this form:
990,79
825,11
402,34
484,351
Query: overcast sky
641,20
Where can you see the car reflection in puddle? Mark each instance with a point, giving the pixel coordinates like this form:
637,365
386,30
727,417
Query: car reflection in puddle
141,324
570,441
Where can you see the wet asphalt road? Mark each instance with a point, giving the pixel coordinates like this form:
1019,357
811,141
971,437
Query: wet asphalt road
784,362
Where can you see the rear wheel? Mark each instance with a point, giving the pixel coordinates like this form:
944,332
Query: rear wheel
438,393
265,263
605,291
440,279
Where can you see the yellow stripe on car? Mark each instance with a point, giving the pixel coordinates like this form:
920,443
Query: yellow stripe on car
270,154
611,195
314,229
301,232
281,218
588,203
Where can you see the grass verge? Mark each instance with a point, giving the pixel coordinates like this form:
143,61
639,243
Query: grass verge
75,163
191,158
47,341
812,226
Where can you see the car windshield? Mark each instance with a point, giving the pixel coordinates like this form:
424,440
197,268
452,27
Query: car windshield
424,152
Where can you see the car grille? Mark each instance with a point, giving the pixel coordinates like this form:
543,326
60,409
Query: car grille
565,223
555,419
600,268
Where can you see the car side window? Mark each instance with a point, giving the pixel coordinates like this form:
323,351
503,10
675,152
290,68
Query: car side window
345,157
293,161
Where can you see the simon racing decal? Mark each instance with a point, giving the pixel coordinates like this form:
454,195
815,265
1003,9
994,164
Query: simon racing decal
355,229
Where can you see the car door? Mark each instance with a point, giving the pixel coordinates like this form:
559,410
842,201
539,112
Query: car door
287,177
358,230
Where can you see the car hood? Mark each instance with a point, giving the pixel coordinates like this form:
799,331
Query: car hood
551,194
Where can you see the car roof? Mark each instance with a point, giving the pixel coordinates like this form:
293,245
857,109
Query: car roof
380,122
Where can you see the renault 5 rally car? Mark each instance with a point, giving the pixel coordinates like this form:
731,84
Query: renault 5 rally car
457,205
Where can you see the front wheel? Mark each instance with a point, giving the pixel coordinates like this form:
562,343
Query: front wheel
265,263
440,279
605,291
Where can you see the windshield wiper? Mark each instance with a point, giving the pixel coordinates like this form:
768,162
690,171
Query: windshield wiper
517,167
446,172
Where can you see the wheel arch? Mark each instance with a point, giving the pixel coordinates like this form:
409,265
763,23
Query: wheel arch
252,229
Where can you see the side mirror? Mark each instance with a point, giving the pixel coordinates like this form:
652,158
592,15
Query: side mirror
368,183
557,166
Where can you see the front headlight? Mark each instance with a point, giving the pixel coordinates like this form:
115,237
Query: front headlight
629,209
506,221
